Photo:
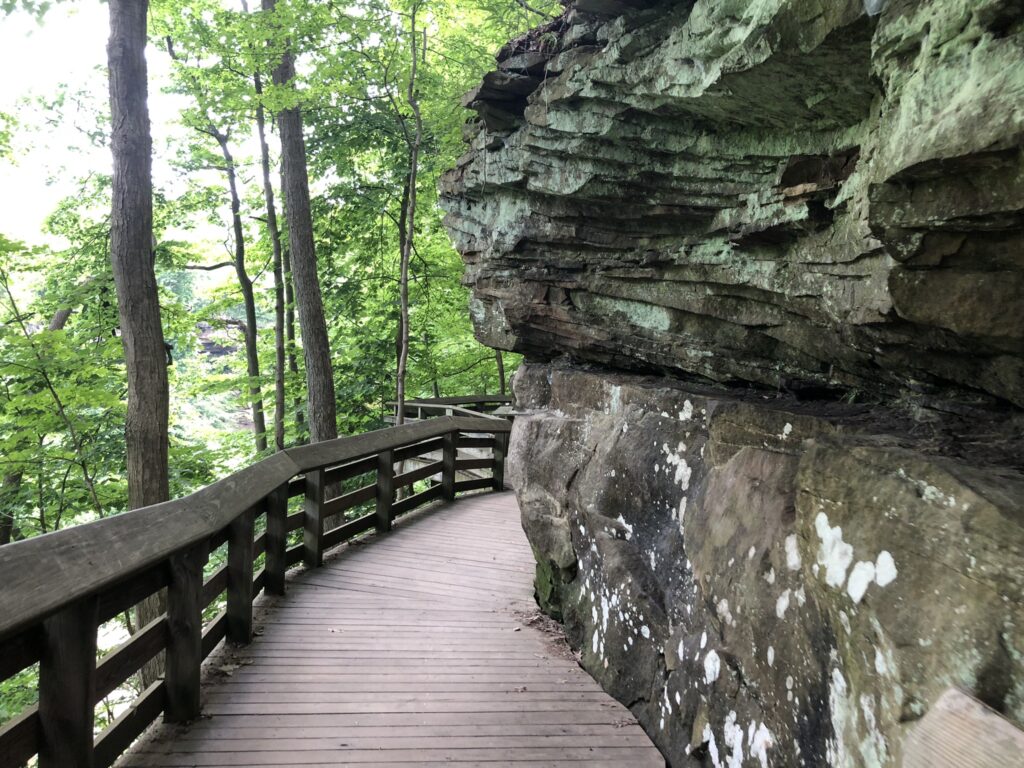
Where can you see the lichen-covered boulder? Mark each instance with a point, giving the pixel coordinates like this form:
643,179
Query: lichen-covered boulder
764,581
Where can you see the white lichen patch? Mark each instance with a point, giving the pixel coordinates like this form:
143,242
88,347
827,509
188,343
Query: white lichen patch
626,526
861,576
675,458
732,734
885,569
722,609
792,553
712,667
709,738
786,431
770,576
760,741
782,604
687,413
771,656
833,553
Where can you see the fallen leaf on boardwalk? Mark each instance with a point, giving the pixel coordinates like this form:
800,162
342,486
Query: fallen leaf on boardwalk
518,629
519,689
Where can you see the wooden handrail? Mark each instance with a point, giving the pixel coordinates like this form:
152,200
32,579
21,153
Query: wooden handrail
56,589
41,574
443,409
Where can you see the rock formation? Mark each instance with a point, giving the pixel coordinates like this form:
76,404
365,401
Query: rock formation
766,261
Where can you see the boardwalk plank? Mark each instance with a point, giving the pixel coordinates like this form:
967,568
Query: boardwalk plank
413,649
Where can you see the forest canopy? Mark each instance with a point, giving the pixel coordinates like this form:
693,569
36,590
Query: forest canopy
296,151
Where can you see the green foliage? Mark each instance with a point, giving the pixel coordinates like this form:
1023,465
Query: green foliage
62,399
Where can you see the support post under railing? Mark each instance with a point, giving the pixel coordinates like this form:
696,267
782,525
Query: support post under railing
184,634
313,520
385,489
241,547
498,469
448,465
277,540
67,687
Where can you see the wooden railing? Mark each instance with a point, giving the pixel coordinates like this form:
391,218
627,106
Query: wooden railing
471,405
56,590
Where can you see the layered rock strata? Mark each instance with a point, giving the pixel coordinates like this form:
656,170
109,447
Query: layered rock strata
786,192
765,259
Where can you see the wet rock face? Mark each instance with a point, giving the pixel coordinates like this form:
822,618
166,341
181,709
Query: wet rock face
791,193
768,582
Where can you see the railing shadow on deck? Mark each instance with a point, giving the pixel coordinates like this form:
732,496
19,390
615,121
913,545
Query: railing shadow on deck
56,590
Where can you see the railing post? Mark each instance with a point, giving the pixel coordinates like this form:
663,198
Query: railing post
67,687
448,465
385,489
277,540
498,469
241,547
184,634
313,520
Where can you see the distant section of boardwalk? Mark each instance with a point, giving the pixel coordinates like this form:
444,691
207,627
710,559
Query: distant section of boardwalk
413,649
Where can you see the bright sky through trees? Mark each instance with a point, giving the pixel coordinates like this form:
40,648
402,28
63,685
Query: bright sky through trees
51,156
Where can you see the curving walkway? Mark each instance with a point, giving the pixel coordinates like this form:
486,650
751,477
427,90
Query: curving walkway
416,648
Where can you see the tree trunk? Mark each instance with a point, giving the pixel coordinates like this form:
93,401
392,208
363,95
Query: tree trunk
279,291
252,357
501,370
409,218
290,345
323,421
131,256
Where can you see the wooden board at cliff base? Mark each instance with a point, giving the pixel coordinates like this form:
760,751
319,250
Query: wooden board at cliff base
961,732
421,647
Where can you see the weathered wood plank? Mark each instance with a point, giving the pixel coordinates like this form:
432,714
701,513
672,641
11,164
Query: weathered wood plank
184,635
214,586
44,573
352,469
385,490
347,530
277,539
215,631
473,485
313,520
417,500
120,734
19,738
409,650
240,577
466,464
67,686
421,473
419,449
131,592
349,500
498,470
130,656
19,652
449,456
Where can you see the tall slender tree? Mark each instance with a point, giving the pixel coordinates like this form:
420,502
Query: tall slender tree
414,142
323,420
132,259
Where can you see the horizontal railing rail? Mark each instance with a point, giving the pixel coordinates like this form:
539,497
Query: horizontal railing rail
488,406
56,590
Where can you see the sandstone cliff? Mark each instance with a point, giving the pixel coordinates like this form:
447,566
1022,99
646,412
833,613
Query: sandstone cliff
765,259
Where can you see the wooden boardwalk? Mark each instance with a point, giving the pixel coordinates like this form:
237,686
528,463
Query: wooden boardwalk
413,649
